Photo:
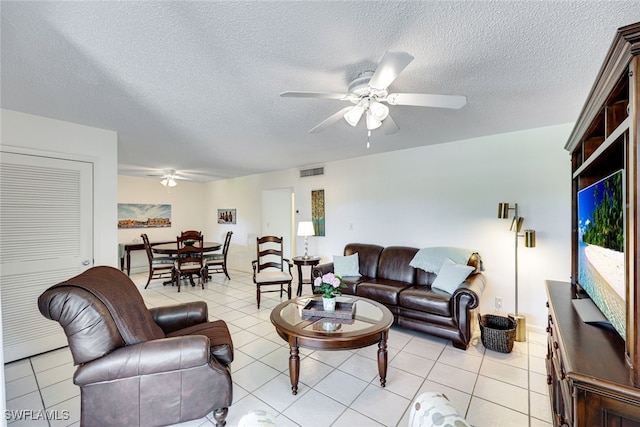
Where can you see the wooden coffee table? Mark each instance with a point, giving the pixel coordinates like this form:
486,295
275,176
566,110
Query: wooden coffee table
370,325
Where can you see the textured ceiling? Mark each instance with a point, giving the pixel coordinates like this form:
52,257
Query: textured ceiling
194,86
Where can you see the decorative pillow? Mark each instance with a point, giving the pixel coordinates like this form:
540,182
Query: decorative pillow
346,266
434,409
451,275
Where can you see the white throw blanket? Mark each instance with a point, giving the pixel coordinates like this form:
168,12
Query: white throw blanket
431,259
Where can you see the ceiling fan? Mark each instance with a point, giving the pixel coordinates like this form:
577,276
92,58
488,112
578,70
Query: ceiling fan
368,92
169,177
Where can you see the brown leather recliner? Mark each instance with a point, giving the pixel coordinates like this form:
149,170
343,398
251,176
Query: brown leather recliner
139,366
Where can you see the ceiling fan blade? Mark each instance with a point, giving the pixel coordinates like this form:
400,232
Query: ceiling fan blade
331,120
321,95
389,126
427,100
392,64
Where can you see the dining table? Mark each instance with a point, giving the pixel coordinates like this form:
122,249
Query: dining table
172,249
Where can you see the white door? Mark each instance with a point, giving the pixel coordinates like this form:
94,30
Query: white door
277,216
46,236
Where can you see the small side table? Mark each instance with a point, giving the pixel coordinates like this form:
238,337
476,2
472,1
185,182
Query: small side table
301,261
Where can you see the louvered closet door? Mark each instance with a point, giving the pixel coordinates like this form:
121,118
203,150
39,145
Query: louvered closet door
46,236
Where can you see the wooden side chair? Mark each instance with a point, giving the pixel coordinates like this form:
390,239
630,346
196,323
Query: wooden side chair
217,263
189,261
270,267
159,267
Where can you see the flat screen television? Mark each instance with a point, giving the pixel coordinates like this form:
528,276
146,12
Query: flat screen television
601,260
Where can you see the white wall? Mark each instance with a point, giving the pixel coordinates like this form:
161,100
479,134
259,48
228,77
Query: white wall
187,211
442,195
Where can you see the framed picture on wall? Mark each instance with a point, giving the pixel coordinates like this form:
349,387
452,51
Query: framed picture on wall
226,216
138,215
317,211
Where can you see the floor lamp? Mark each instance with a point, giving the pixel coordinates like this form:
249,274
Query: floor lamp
529,242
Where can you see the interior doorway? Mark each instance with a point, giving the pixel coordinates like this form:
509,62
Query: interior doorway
277,217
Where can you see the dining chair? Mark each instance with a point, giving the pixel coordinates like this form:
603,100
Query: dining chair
270,267
217,263
189,259
159,267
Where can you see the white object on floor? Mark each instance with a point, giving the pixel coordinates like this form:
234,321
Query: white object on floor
257,418
434,409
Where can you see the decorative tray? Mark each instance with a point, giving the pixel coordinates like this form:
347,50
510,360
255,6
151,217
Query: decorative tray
344,310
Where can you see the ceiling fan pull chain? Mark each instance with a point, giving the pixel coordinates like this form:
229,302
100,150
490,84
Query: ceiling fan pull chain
368,136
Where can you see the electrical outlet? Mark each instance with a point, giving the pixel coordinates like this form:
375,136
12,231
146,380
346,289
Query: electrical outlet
498,303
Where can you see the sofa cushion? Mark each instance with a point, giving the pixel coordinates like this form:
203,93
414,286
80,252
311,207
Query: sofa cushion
424,277
346,266
381,290
394,264
368,256
427,299
351,284
451,276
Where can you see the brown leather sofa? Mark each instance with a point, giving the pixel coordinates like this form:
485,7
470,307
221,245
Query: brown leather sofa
139,366
388,278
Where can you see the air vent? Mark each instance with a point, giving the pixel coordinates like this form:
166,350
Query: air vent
311,172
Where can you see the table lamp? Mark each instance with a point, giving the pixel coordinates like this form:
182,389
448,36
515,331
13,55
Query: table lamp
305,228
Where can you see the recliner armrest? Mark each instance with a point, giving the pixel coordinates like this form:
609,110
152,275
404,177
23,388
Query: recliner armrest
175,317
150,357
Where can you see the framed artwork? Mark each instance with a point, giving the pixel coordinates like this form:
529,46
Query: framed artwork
226,216
317,211
137,215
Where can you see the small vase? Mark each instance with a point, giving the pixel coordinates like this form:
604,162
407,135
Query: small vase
329,326
329,304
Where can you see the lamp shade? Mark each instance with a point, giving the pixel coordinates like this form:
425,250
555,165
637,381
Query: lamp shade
378,110
169,182
503,210
353,116
305,228
530,238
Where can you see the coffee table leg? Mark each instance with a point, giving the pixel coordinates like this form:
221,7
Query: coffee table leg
382,358
294,367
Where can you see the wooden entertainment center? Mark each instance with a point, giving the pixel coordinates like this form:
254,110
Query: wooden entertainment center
593,372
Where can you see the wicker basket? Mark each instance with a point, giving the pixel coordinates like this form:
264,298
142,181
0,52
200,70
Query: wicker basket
498,332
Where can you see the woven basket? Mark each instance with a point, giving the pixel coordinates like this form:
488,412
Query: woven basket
498,332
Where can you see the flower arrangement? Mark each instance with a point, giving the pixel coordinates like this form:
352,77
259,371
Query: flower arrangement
329,285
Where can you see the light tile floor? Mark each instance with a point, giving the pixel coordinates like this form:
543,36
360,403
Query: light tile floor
337,388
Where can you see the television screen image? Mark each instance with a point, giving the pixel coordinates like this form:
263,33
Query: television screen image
601,265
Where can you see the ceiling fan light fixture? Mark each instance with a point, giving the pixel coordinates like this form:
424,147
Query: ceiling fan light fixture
353,116
378,110
169,182
372,121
